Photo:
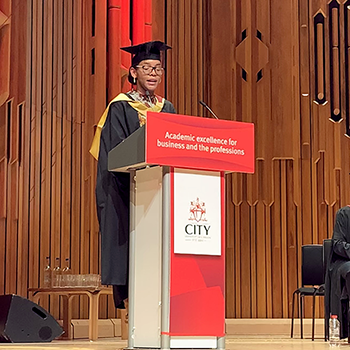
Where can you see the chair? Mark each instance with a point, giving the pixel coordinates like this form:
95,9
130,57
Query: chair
312,281
327,250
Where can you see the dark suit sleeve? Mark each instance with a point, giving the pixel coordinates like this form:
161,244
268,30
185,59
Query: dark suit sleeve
341,245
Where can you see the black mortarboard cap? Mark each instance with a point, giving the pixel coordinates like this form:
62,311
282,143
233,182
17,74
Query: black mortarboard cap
146,51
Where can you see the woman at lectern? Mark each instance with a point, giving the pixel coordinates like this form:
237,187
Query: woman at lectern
124,115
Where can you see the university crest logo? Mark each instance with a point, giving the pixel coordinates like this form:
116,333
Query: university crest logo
197,211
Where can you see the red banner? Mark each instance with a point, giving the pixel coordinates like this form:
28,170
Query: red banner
199,143
197,283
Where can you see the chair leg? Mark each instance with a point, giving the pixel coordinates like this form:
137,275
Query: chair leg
325,327
301,317
313,318
292,326
348,323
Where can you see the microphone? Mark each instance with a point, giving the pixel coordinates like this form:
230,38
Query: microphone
149,97
208,108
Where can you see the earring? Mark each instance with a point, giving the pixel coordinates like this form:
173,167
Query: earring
134,81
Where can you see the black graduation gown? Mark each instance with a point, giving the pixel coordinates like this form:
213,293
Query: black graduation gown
336,296
112,198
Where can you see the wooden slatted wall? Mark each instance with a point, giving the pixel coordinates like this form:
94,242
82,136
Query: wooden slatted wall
185,65
54,88
260,62
57,93
281,65
58,128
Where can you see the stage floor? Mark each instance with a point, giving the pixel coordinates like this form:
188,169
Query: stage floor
232,343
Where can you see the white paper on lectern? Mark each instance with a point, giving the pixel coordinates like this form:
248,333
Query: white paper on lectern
197,212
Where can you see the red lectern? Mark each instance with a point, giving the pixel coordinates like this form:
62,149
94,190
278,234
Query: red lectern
177,226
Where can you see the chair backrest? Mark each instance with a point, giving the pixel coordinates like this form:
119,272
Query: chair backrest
312,269
327,250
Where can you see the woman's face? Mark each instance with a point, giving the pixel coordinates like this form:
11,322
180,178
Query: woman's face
148,74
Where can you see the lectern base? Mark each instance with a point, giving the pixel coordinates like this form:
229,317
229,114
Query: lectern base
193,343
190,343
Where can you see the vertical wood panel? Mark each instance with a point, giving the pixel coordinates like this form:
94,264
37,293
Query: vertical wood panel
88,127
291,237
2,256
24,189
35,171
66,125
11,230
78,60
3,194
66,133
57,144
305,222
6,29
183,38
283,235
261,267
276,256
253,267
187,25
46,137
238,263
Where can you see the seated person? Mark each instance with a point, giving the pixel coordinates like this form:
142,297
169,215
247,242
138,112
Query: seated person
338,273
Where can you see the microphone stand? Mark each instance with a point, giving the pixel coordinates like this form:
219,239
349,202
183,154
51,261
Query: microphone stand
208,108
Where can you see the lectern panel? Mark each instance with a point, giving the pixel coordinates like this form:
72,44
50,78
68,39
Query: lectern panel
148,243
197,212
